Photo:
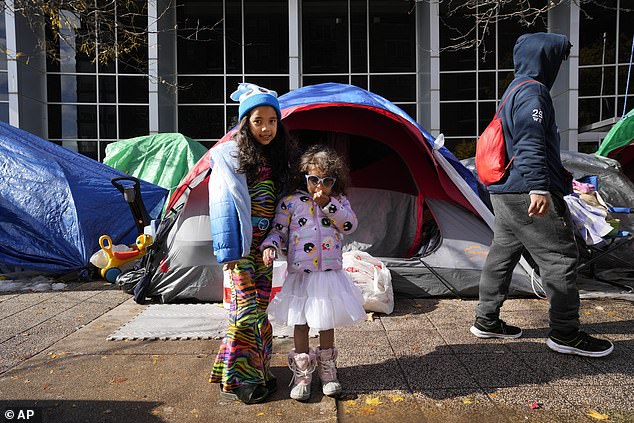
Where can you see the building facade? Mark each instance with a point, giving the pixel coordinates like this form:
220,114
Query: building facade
195,52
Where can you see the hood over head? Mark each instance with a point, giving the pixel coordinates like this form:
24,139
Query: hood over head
539,56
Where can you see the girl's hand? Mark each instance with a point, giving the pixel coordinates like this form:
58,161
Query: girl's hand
268,256
229,265
320,198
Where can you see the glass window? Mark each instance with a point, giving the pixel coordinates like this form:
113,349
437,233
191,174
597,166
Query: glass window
589,111
265,36
88,149
325,36
597,28
626,32
458,119
201,122
278,84
504,79
86,121
233,38
102,149
232,118
71,88
194,89
133,121
410,109
133,89
594,78
72,121
360,81
458,86
486,111
4,112
67,57
392,36
394,87
312,80
107,89
132,14
486,85
359,35
200,38
108,122
451,28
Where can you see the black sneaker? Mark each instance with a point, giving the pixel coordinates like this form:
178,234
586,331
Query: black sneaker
499,330
582,344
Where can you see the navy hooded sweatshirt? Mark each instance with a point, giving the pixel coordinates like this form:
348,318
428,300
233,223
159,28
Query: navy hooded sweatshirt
528,117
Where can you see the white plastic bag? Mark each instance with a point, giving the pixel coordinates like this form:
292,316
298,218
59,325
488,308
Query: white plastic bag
100,259
373,278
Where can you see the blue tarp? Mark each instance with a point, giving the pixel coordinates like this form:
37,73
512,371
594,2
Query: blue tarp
56,203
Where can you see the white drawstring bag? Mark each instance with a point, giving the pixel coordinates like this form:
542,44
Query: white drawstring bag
373,279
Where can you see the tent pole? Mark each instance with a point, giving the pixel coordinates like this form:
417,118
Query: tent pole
441,279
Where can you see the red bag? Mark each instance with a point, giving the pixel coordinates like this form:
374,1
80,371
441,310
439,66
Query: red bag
490,158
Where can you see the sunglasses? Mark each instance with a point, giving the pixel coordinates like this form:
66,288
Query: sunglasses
327,182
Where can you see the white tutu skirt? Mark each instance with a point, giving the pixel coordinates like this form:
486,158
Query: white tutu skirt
321,300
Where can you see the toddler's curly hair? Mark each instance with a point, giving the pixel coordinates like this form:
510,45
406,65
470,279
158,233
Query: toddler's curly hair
328,161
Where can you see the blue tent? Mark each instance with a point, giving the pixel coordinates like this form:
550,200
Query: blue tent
55,204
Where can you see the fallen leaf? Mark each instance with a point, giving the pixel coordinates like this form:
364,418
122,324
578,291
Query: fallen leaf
155,412
100,326
587,313
56,355
366,410
119,380
195,413
396,398
370,317
154,359
350,403
261,414
596,415
373,401
493,395
46,386
467,401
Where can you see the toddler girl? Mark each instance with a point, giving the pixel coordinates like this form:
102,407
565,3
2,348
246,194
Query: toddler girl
317,293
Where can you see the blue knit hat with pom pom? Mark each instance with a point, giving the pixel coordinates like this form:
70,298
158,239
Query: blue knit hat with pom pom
251,95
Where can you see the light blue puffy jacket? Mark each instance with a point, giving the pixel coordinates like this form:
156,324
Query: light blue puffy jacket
229,205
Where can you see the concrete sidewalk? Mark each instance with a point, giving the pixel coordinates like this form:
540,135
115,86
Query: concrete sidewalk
418,364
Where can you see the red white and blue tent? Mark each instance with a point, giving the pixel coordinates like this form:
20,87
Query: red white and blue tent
408,191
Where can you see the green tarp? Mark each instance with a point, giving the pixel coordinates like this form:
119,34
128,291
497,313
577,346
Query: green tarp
619,144
621,134
162,159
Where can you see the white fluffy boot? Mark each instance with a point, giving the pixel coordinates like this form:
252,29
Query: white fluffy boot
302,365
327,365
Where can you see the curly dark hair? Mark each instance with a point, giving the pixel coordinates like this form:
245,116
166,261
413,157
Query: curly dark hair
252,155
328,161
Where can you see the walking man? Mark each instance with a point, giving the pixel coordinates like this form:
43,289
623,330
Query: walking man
529,208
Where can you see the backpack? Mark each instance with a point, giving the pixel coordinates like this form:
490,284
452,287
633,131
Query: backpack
491,158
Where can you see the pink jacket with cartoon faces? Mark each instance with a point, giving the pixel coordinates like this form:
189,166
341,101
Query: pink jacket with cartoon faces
312,236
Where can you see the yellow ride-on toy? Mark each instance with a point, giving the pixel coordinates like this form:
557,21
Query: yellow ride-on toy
116,259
